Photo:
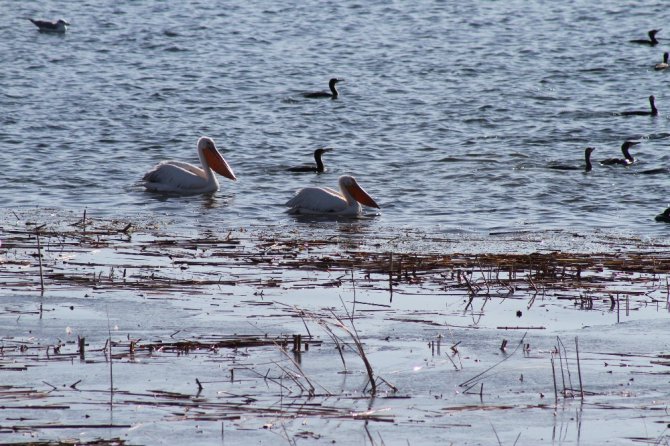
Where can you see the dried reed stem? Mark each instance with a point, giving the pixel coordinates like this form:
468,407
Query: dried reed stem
111,373
82,344
39,259
361,353
579,369
553,372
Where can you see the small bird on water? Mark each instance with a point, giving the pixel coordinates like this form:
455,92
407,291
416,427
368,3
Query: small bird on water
45,26
652,38
587,166
662,65
319,167
627,160
664,216
324,94
652,112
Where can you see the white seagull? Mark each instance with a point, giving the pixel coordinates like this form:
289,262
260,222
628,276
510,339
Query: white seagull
184,178
316,200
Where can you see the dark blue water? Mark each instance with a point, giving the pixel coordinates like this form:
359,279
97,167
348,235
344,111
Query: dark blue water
449,115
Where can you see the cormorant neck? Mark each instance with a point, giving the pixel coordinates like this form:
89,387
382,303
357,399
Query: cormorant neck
589,167
627,154
333,89
319,163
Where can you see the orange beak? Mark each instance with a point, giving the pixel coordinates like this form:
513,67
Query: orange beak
361,196
218,164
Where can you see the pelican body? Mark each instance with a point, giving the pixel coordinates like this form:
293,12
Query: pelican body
184,178
318,168
57,27
627,159
327,201
324,94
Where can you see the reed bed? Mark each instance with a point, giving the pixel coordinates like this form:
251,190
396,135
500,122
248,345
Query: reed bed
96,258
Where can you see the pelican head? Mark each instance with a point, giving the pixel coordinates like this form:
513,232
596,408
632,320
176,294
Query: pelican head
210,157
350,186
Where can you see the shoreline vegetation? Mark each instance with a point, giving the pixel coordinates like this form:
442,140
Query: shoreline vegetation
259,328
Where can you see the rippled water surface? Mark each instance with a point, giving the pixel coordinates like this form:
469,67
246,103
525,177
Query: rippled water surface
450,114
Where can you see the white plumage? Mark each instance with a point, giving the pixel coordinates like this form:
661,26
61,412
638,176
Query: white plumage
184,178
316,200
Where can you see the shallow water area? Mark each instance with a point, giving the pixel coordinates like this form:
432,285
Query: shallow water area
203,328
492,299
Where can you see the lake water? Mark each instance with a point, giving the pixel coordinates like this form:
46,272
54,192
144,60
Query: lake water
449,117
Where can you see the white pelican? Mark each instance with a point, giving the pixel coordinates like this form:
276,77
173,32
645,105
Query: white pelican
58,27
184,178
316,200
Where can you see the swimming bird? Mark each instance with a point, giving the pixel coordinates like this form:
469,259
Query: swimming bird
319,167
652,112
587,167
324,94
316,200
45,26
664,216
663,65
627,159
652,38
183,178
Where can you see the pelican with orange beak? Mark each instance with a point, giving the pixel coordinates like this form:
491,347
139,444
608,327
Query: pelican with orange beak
347,202
177,177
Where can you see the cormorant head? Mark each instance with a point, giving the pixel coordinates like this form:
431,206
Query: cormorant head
627,145
319,152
